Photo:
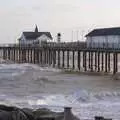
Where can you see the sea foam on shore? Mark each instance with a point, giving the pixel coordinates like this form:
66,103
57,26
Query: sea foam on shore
32,86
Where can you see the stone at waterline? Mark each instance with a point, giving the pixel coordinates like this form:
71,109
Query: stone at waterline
46,114
14,113
99,118
68,114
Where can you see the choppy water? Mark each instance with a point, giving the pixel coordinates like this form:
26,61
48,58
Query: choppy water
28,85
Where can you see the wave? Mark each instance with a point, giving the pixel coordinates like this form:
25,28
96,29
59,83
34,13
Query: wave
84,97
82,101
18,69
75,99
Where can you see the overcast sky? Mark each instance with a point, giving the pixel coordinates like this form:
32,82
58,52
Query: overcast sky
56,16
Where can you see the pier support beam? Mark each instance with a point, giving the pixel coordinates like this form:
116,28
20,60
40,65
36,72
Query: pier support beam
28,55
4,53
89,59
68,59
11,54
109,61
45,56
41,58
84,61
102,61
8,52
115,63
95,61
58,58
37,56
14,54
106,62
79,60
34,59
91,64
49,57
31,56
98,61
63,58
54,58
23,56
19,55
73,52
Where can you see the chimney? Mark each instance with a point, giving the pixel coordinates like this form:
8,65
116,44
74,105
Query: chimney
59,37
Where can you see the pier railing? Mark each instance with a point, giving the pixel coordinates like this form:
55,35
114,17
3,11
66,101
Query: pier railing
63,45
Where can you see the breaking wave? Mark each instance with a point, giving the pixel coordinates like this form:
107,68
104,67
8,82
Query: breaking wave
86,104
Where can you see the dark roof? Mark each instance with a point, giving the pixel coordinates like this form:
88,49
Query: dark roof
105,31
34,35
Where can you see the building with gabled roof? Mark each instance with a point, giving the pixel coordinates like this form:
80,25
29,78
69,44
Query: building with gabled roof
104,38
35,37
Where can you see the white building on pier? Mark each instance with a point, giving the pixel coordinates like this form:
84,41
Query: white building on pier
104,38
35,37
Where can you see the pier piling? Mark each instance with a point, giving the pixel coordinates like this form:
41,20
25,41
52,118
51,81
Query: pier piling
90,59
79,60
63,58
73,59
68,59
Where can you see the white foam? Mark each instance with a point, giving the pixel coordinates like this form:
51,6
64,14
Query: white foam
84,110
86,104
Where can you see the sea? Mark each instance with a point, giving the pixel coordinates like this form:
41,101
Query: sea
34,86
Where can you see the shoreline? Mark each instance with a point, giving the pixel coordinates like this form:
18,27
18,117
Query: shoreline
15,113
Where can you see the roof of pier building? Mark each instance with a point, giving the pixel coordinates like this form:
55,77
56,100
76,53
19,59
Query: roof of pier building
104,32
35,34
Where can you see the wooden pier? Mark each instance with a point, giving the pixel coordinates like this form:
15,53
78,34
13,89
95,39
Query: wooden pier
70,57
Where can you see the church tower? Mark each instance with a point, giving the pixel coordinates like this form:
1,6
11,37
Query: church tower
36,29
